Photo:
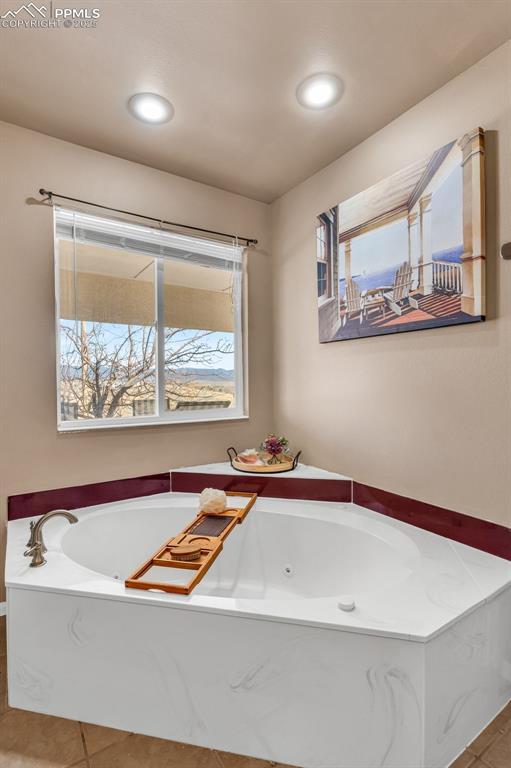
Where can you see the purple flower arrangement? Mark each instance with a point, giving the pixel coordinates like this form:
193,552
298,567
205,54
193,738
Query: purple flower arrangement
274,446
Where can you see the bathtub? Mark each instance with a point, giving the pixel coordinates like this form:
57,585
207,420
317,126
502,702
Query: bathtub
324,636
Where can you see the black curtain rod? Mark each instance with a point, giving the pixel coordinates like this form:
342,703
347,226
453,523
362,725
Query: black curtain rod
50,195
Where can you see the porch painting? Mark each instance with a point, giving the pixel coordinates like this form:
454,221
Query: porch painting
407,253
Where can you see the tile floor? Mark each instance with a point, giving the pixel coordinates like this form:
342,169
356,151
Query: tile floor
492,748
29,740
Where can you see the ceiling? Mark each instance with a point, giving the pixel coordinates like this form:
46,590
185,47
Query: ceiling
231,69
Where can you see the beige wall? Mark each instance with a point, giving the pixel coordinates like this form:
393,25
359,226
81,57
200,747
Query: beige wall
33,456
425,414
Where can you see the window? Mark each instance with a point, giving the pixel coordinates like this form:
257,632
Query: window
322,261
149,324
322,279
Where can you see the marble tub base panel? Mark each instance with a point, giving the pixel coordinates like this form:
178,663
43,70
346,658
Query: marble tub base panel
294,694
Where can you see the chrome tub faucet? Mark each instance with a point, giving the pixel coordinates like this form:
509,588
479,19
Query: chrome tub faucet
35,544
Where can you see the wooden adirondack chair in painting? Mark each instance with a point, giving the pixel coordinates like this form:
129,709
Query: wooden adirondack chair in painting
353,301
400,292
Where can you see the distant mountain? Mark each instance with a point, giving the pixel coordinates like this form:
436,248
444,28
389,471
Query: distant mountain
210,375
205,374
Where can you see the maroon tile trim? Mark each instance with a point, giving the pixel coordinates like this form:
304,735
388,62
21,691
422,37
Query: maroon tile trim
277,487
29,504
481,534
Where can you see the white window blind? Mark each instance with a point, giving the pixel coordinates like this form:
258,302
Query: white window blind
149,324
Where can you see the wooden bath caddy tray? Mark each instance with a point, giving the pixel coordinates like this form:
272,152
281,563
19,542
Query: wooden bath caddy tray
196,548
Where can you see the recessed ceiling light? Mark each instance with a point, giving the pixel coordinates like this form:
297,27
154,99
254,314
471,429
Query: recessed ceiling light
319,91
150,108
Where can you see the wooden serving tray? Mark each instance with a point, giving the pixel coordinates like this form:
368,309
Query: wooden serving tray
286,464
207,532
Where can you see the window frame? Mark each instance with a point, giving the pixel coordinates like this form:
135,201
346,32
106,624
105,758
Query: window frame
322,247
324,295
164,417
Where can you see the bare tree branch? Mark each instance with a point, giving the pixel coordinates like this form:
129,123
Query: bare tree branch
105,367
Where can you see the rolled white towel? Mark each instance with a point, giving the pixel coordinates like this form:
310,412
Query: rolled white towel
212,501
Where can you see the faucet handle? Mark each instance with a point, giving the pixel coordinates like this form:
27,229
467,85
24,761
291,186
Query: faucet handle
30,542
36,553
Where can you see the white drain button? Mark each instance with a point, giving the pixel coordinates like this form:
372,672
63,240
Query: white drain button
346,604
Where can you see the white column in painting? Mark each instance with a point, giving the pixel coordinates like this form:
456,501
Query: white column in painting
413,245
347,259
472,260
426,255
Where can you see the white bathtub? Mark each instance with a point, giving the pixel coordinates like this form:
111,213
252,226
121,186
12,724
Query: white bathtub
260,659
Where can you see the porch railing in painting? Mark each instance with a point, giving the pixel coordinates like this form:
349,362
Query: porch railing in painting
447,277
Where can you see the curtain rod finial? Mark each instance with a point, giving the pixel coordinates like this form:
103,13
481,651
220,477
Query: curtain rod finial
45,193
